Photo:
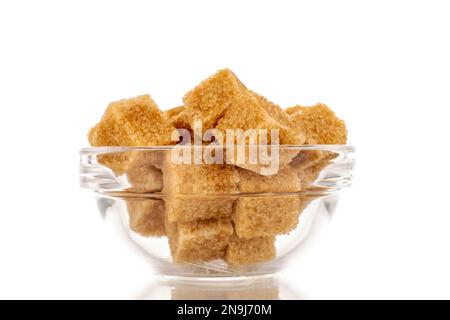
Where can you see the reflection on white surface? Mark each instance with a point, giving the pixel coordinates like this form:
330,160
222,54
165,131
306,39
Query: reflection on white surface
260,288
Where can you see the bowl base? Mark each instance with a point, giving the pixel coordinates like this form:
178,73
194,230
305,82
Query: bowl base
258,287
217,280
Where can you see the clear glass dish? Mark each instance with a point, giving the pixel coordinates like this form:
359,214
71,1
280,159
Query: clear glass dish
213,221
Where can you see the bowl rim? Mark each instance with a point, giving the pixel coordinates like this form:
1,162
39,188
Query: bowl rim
347,148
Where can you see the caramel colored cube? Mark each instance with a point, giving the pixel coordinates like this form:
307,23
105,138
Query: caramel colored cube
286,180
305,159
266,215
276,158
308,165
147,217
199,191
145,158
199,179
130,122
320,124
248,251
145,179
144,169
198,241
252,111
212,97
191,208
310,174
223,102
178,118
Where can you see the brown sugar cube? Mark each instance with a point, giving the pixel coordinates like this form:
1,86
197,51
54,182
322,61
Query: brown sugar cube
143,169
178,118
223,102
308,165
266,215
320,124
252,111
117,162
174,112
248,251
321,127
145,179
311,173
191,208
286,180
198,241
129,161
199,191
130,122
145,158
199,179
209,100
256,112
147,217
276,163
190,188
306,158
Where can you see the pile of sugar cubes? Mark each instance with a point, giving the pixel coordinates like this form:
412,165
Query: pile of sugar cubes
226,211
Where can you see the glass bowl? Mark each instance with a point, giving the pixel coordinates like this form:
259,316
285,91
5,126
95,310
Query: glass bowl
215,221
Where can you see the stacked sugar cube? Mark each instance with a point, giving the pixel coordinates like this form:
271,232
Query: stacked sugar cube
216,211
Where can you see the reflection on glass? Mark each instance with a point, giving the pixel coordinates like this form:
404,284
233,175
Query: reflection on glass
259,288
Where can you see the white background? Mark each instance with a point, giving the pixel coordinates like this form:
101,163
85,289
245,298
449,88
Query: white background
383,66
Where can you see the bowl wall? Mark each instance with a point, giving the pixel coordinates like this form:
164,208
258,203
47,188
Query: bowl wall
216,220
